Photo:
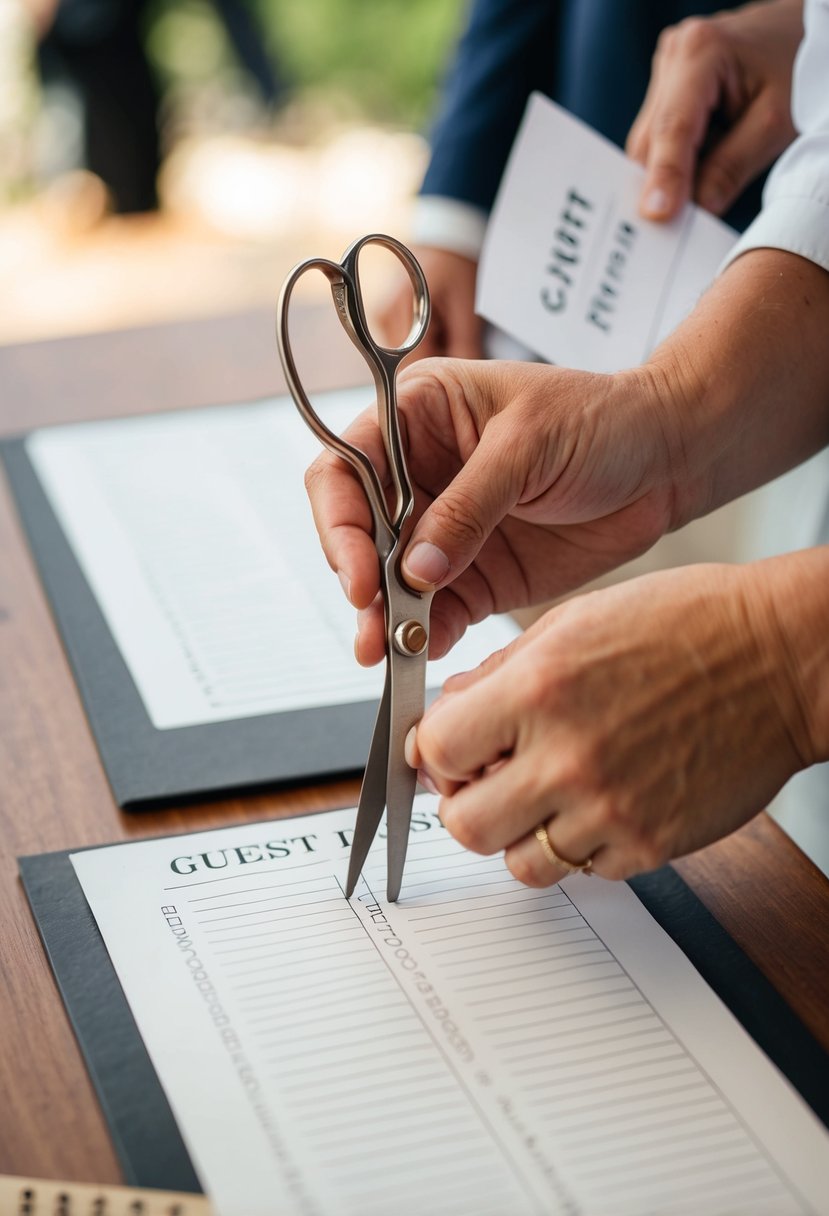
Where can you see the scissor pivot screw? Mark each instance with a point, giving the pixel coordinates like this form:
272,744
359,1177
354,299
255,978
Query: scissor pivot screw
410,638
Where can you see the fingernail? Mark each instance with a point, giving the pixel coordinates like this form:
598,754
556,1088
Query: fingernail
657,202
427,782
426,563
345,583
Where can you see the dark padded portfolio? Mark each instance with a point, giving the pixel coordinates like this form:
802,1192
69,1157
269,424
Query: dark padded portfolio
145,765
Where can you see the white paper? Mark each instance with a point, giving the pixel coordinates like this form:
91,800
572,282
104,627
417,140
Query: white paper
479,1048
568,266
195,534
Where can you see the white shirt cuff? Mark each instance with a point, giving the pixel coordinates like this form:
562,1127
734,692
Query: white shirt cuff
798,223
447,223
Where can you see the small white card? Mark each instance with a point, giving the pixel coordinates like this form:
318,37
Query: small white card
569,267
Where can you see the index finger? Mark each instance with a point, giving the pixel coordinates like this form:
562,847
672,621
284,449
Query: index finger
689,89
342,514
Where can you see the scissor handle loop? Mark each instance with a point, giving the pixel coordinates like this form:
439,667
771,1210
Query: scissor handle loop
343,278
421,311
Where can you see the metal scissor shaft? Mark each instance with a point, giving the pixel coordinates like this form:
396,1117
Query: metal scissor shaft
389,783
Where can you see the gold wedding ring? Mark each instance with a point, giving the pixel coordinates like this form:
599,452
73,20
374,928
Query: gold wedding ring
572,867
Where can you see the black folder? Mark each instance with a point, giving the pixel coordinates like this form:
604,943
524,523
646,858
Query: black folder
146,765
145,1136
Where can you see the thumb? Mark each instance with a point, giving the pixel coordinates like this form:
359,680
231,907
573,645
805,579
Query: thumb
670,164
454,529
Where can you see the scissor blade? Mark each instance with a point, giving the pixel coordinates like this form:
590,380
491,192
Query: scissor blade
408,696
400,799
373,790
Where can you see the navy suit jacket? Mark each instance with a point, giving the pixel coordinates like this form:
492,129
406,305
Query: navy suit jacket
591,56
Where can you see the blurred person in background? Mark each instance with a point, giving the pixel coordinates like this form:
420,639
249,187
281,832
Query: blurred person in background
593,58
643,721
97,47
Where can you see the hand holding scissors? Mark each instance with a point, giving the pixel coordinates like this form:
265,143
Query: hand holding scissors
389,782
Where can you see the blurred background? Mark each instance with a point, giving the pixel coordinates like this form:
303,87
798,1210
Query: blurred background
172,158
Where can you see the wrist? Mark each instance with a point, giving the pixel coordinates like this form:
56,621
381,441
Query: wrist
787,598
644,403
448,224
740,389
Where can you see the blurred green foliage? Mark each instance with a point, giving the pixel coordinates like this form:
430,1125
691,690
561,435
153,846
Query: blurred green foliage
382,59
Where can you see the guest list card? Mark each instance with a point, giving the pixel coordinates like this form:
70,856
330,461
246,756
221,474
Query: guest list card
194,532
477,1048
569,268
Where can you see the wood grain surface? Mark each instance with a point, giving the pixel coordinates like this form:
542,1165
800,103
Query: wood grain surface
53,793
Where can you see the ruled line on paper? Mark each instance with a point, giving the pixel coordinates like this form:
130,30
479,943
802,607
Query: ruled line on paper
317,1052
219,610
622,1060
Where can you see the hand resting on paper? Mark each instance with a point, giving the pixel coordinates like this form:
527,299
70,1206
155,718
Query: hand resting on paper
638,723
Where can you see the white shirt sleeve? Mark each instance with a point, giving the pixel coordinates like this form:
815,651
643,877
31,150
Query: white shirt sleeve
448,223
795,214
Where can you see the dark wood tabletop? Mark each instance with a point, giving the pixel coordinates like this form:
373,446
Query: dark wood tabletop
54,795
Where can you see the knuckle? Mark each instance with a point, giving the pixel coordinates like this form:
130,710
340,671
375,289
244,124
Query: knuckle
639,846
312,476
775,120
496,660
457,514
522,867
637,856
614,816
651,855
617,866
667,40
318,472
725,176
697,34
435,754
672,126
538,686
466,827
575,768
667,172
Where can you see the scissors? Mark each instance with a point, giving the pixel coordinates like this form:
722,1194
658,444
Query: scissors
388,782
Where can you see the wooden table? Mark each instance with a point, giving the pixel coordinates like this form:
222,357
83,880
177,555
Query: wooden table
53,793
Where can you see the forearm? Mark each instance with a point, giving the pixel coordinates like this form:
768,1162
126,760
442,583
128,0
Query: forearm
741,389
